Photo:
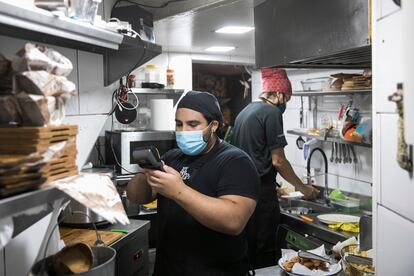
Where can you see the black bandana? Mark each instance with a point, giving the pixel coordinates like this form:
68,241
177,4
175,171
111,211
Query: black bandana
202,102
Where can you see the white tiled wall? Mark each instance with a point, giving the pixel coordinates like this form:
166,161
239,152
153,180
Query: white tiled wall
362,171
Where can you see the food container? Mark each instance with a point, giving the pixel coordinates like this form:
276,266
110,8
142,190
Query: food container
84,10
352,269
316,84
152,75
350,205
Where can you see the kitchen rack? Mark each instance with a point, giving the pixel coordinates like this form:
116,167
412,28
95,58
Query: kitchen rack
328,139
150,91
121,53
17,207
332,93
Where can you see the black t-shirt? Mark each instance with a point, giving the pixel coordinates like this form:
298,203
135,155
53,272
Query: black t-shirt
258,130
185,246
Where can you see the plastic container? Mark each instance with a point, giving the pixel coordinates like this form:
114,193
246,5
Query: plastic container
316,84
152,75
170,78
350,205
84,10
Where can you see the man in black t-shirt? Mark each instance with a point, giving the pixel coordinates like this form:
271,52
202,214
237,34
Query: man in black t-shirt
258,130
206,194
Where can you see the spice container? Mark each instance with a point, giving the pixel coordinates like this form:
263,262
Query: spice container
170,78
132,81
152,74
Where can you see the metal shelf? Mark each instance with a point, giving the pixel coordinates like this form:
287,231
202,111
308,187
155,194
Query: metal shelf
332,93
328,139
157,91
36,24
20,207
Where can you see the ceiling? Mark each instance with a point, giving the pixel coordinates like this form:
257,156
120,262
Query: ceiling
189,26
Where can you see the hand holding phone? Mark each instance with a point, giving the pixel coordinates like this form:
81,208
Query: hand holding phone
148,158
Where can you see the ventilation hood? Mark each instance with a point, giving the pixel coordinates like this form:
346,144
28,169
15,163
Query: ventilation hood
313,34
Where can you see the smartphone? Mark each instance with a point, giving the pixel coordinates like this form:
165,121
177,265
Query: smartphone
148,158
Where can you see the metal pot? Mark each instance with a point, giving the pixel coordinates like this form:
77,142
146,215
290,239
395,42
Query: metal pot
77,214
103,264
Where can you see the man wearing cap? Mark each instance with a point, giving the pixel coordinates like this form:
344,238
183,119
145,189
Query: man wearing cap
206,195
258,130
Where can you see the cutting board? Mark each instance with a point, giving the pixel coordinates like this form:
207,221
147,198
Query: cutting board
69,235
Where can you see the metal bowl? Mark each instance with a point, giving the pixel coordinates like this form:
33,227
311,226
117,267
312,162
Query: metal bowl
351,269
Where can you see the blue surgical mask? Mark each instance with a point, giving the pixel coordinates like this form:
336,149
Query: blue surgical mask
190,142
281,107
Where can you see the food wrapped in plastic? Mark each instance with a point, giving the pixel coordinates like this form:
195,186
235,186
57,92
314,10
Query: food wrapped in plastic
97,192
35,58
10,111
6,76
36,110
44,83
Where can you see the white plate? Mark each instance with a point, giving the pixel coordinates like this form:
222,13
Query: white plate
337,218
293,195
336,270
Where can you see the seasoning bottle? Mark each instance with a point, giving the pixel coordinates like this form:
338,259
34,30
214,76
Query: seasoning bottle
170,78
132,81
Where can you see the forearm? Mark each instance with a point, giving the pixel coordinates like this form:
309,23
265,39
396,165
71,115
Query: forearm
138,190
219,214
286,171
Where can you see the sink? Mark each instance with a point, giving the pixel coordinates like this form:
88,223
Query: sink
294,206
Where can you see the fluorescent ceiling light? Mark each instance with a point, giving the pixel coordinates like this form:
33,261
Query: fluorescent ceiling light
220,48
234,30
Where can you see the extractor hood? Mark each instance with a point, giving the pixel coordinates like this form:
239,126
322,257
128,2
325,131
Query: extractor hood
313,34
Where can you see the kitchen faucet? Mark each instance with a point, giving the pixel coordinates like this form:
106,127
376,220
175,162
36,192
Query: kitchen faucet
325,193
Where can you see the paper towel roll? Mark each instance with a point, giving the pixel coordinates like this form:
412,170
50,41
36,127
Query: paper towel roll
162,114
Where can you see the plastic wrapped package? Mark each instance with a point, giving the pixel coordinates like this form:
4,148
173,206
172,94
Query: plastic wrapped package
6,76
36,110
36,58
44,83
10,111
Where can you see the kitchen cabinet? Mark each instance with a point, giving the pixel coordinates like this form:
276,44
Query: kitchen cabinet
339,36
394,244
389,55
396,186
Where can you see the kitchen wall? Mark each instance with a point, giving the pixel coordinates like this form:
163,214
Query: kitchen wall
350,177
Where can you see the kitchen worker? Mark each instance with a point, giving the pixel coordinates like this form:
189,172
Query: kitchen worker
206,195
258,130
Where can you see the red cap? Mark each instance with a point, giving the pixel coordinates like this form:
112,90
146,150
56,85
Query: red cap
275,80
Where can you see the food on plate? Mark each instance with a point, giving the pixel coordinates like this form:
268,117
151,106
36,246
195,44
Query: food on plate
309,263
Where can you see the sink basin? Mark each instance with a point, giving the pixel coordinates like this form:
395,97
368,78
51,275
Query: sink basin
294,206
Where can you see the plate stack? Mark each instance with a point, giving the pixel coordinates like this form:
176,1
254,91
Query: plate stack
29,141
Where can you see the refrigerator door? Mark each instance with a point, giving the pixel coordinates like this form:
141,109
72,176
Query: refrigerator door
394,249
396,186
408,63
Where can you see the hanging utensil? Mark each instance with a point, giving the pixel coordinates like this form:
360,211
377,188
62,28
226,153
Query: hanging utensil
344,154
332,153
336,153
340,153
354,154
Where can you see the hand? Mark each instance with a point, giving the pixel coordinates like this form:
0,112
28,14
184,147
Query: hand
309,192
280,192
168,183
